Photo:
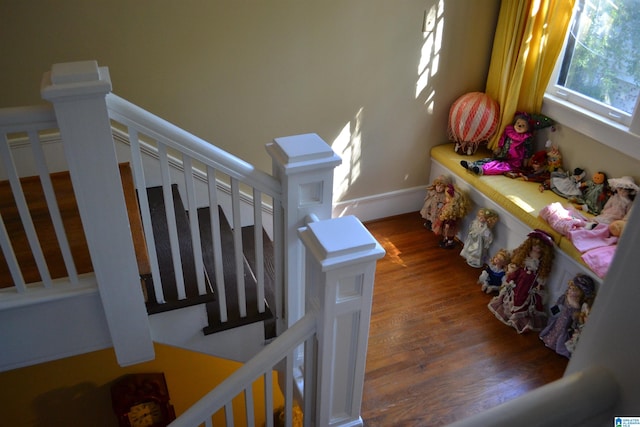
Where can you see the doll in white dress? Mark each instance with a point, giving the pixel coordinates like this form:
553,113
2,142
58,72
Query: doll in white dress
479,238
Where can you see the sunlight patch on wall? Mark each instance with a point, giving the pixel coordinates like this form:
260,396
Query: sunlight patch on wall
430,52
348,145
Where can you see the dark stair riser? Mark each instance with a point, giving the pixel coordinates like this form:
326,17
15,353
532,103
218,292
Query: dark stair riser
228,260
163,251
167,272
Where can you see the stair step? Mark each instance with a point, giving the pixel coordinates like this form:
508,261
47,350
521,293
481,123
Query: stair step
228,259
163,250
248,245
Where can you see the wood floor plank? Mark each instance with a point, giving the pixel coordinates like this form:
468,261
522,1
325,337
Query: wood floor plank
436,353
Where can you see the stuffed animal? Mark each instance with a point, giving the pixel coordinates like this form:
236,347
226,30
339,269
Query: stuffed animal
520,301
456,207
479,237
434,200
569,314
493,274
514,147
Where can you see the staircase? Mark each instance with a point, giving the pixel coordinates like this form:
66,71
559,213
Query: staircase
128,231
209,298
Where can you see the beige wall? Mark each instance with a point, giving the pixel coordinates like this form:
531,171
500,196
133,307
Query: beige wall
239,73
583,152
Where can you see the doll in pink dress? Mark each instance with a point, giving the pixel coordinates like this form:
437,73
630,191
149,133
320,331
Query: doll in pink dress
520,301
514,147
618,205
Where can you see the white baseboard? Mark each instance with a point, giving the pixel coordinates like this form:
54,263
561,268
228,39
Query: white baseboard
382,205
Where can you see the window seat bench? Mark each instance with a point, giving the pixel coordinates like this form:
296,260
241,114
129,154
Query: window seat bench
518,203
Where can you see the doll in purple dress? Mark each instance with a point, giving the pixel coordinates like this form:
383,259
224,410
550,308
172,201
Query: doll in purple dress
514,147
569,315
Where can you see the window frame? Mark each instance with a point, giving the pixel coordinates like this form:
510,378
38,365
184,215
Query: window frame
560,104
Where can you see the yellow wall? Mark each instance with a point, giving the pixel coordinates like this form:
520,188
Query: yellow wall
76,391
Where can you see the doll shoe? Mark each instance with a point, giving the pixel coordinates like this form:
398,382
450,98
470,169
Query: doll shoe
448,244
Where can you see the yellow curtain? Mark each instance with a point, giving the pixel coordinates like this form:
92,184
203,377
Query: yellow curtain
528,40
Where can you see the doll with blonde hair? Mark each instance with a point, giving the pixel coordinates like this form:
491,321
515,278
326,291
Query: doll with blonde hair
434,200
493,274
520,301
479,237
456,207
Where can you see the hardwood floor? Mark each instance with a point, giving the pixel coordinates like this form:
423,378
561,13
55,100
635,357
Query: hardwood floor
436,353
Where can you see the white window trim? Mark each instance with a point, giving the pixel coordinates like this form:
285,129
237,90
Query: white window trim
607,132
623,138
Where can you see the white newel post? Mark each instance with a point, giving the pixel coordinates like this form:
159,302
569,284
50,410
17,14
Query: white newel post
304,165
77,91
341,258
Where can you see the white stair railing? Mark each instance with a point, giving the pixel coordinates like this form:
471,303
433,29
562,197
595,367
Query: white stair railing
25,128
206,176
341,256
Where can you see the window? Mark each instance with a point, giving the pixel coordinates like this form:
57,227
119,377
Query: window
598,73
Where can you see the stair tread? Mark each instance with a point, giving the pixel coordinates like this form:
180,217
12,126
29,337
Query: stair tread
228,260
163,251
225,234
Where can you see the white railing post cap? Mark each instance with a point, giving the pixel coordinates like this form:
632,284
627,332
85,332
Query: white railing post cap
339,241
303,152
75,78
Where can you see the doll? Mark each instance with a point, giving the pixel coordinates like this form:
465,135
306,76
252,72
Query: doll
479,238
493,274
595,194
434,200
618,205
537,170
520,301
569,314
455,207
585,310
514,146
565,184
554,157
